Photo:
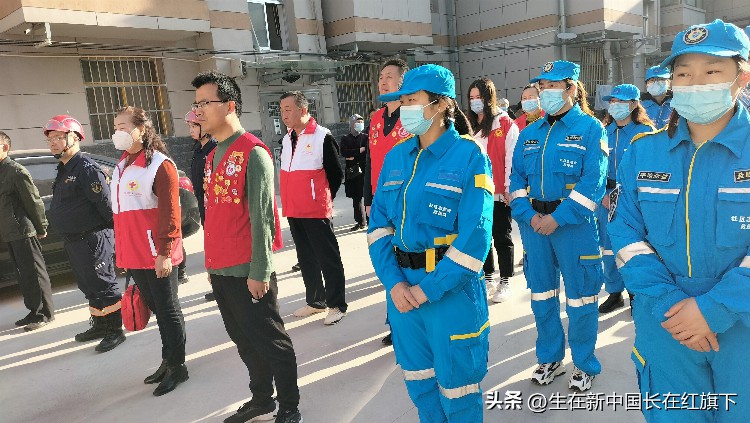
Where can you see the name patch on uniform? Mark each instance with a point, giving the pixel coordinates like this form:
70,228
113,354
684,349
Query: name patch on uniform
742,175
70,179
531,142
654,176
573,138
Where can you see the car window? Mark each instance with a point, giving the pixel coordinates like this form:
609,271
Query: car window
43,173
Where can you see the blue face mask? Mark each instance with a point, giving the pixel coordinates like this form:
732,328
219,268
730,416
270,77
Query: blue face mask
531,105
413,121
552,100
657,88
703,104
477,106
619,111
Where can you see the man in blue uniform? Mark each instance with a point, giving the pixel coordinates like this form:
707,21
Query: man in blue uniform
657,103
82,213
681,235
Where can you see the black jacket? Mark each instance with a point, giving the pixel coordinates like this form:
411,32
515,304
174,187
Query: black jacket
21,208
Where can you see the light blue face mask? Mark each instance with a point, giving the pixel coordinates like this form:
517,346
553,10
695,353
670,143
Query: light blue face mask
619,111
477,106
359,126
413,121
703,104
657,88
552,100
531,105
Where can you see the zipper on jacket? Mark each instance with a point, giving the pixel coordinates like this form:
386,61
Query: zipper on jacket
687,211
543,151
403,215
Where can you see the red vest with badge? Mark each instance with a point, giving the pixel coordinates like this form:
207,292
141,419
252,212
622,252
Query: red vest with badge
381,143
304,186
227,231
496,151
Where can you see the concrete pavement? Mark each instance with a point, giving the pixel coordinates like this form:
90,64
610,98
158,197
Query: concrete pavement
345,374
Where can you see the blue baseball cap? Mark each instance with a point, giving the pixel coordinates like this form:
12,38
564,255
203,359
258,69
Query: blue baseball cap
657,72
717,38
558,70
625,92
432,78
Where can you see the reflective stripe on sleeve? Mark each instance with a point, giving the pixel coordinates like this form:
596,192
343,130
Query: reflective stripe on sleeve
546,295
445,187
462,391
582,200
580,302
653,190
735,190
484,181
464,259
607,252
578,146
745,262
632,250
518,194
389,183
419,374
375,235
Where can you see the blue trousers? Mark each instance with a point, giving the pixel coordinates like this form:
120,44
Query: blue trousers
93,263
443,348
612,279
573,251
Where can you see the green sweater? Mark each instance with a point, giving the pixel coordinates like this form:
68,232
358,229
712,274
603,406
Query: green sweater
260,198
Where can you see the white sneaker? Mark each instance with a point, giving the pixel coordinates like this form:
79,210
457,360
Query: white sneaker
334,316
306,311
546,372
580,380
491,287
503,292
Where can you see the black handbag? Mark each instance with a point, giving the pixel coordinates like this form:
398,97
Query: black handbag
352,172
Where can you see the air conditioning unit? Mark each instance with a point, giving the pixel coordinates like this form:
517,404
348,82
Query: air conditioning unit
237,68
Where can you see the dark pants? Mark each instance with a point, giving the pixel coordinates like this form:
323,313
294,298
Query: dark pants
33,279
318,253
359,210
501,228
262,342
183,263
160,295
92,258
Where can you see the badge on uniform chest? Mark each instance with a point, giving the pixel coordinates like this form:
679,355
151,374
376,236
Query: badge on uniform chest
225,177
654,176
742,175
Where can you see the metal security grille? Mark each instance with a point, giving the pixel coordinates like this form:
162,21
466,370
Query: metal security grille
112,83
593,68
356,88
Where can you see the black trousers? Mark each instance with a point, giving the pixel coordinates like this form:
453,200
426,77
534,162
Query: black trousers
359,210
160,295
93,261
31,272
262,342
319,257
501,229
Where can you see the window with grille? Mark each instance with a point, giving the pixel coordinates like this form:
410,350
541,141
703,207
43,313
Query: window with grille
356,89
267,19
112,83
593,70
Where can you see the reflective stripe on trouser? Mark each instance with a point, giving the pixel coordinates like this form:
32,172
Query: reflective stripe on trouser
665,366
612,279
572,250
442,375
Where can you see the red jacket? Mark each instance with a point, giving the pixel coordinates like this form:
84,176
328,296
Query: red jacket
521,120
381,144
227,230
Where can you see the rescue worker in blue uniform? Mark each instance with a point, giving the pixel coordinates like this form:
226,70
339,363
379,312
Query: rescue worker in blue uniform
558,179
657,101
681,237
81,213
625,119
430,230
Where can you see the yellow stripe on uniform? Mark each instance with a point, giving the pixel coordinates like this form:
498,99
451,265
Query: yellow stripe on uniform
638,356
642,135
429,260
446,240
484,181
592,257
570,186
473,334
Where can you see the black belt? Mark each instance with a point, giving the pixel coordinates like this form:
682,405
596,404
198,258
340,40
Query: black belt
82,235
417,260
545,207
611,183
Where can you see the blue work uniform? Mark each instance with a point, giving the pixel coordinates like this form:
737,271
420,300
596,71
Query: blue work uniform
81,212
659,113
681,229
428,200
565,162
619,141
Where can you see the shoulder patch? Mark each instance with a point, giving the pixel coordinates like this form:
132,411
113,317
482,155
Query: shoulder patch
645,134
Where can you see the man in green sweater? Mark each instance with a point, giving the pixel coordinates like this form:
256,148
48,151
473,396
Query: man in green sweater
240,233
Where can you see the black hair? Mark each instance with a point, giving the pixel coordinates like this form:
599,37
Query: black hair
151,139
637,115
453,114
488,95
226,88
5,139
299,99
401,64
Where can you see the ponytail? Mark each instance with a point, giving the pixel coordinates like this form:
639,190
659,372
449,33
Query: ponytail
453,114
581,97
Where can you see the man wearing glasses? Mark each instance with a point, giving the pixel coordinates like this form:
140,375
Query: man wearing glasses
82,213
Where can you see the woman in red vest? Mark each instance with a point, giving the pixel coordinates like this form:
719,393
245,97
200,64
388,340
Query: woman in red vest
532,110
148,238
497,134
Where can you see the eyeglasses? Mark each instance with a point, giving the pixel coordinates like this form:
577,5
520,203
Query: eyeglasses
55,139
204,103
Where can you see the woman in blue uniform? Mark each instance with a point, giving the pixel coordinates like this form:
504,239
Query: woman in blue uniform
558,179
429,233
681,238
625,119
658,98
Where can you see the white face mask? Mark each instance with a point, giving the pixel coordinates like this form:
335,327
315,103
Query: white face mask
123,140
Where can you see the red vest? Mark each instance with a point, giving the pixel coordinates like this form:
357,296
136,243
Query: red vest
381,143
304,186
136,213
227,234
522,123
496,151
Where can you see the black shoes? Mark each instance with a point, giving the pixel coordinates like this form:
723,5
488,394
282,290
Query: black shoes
173,376
158,374
31,322
288,416
26,320
357,227
210,297
613,302
181,276
253,412
387,340
96,331
114,335
296,268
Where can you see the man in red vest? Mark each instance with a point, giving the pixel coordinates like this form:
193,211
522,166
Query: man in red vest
241,230
385,132
309,178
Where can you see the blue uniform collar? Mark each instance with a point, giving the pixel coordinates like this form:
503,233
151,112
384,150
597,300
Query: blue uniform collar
441,145
734,136
571,116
